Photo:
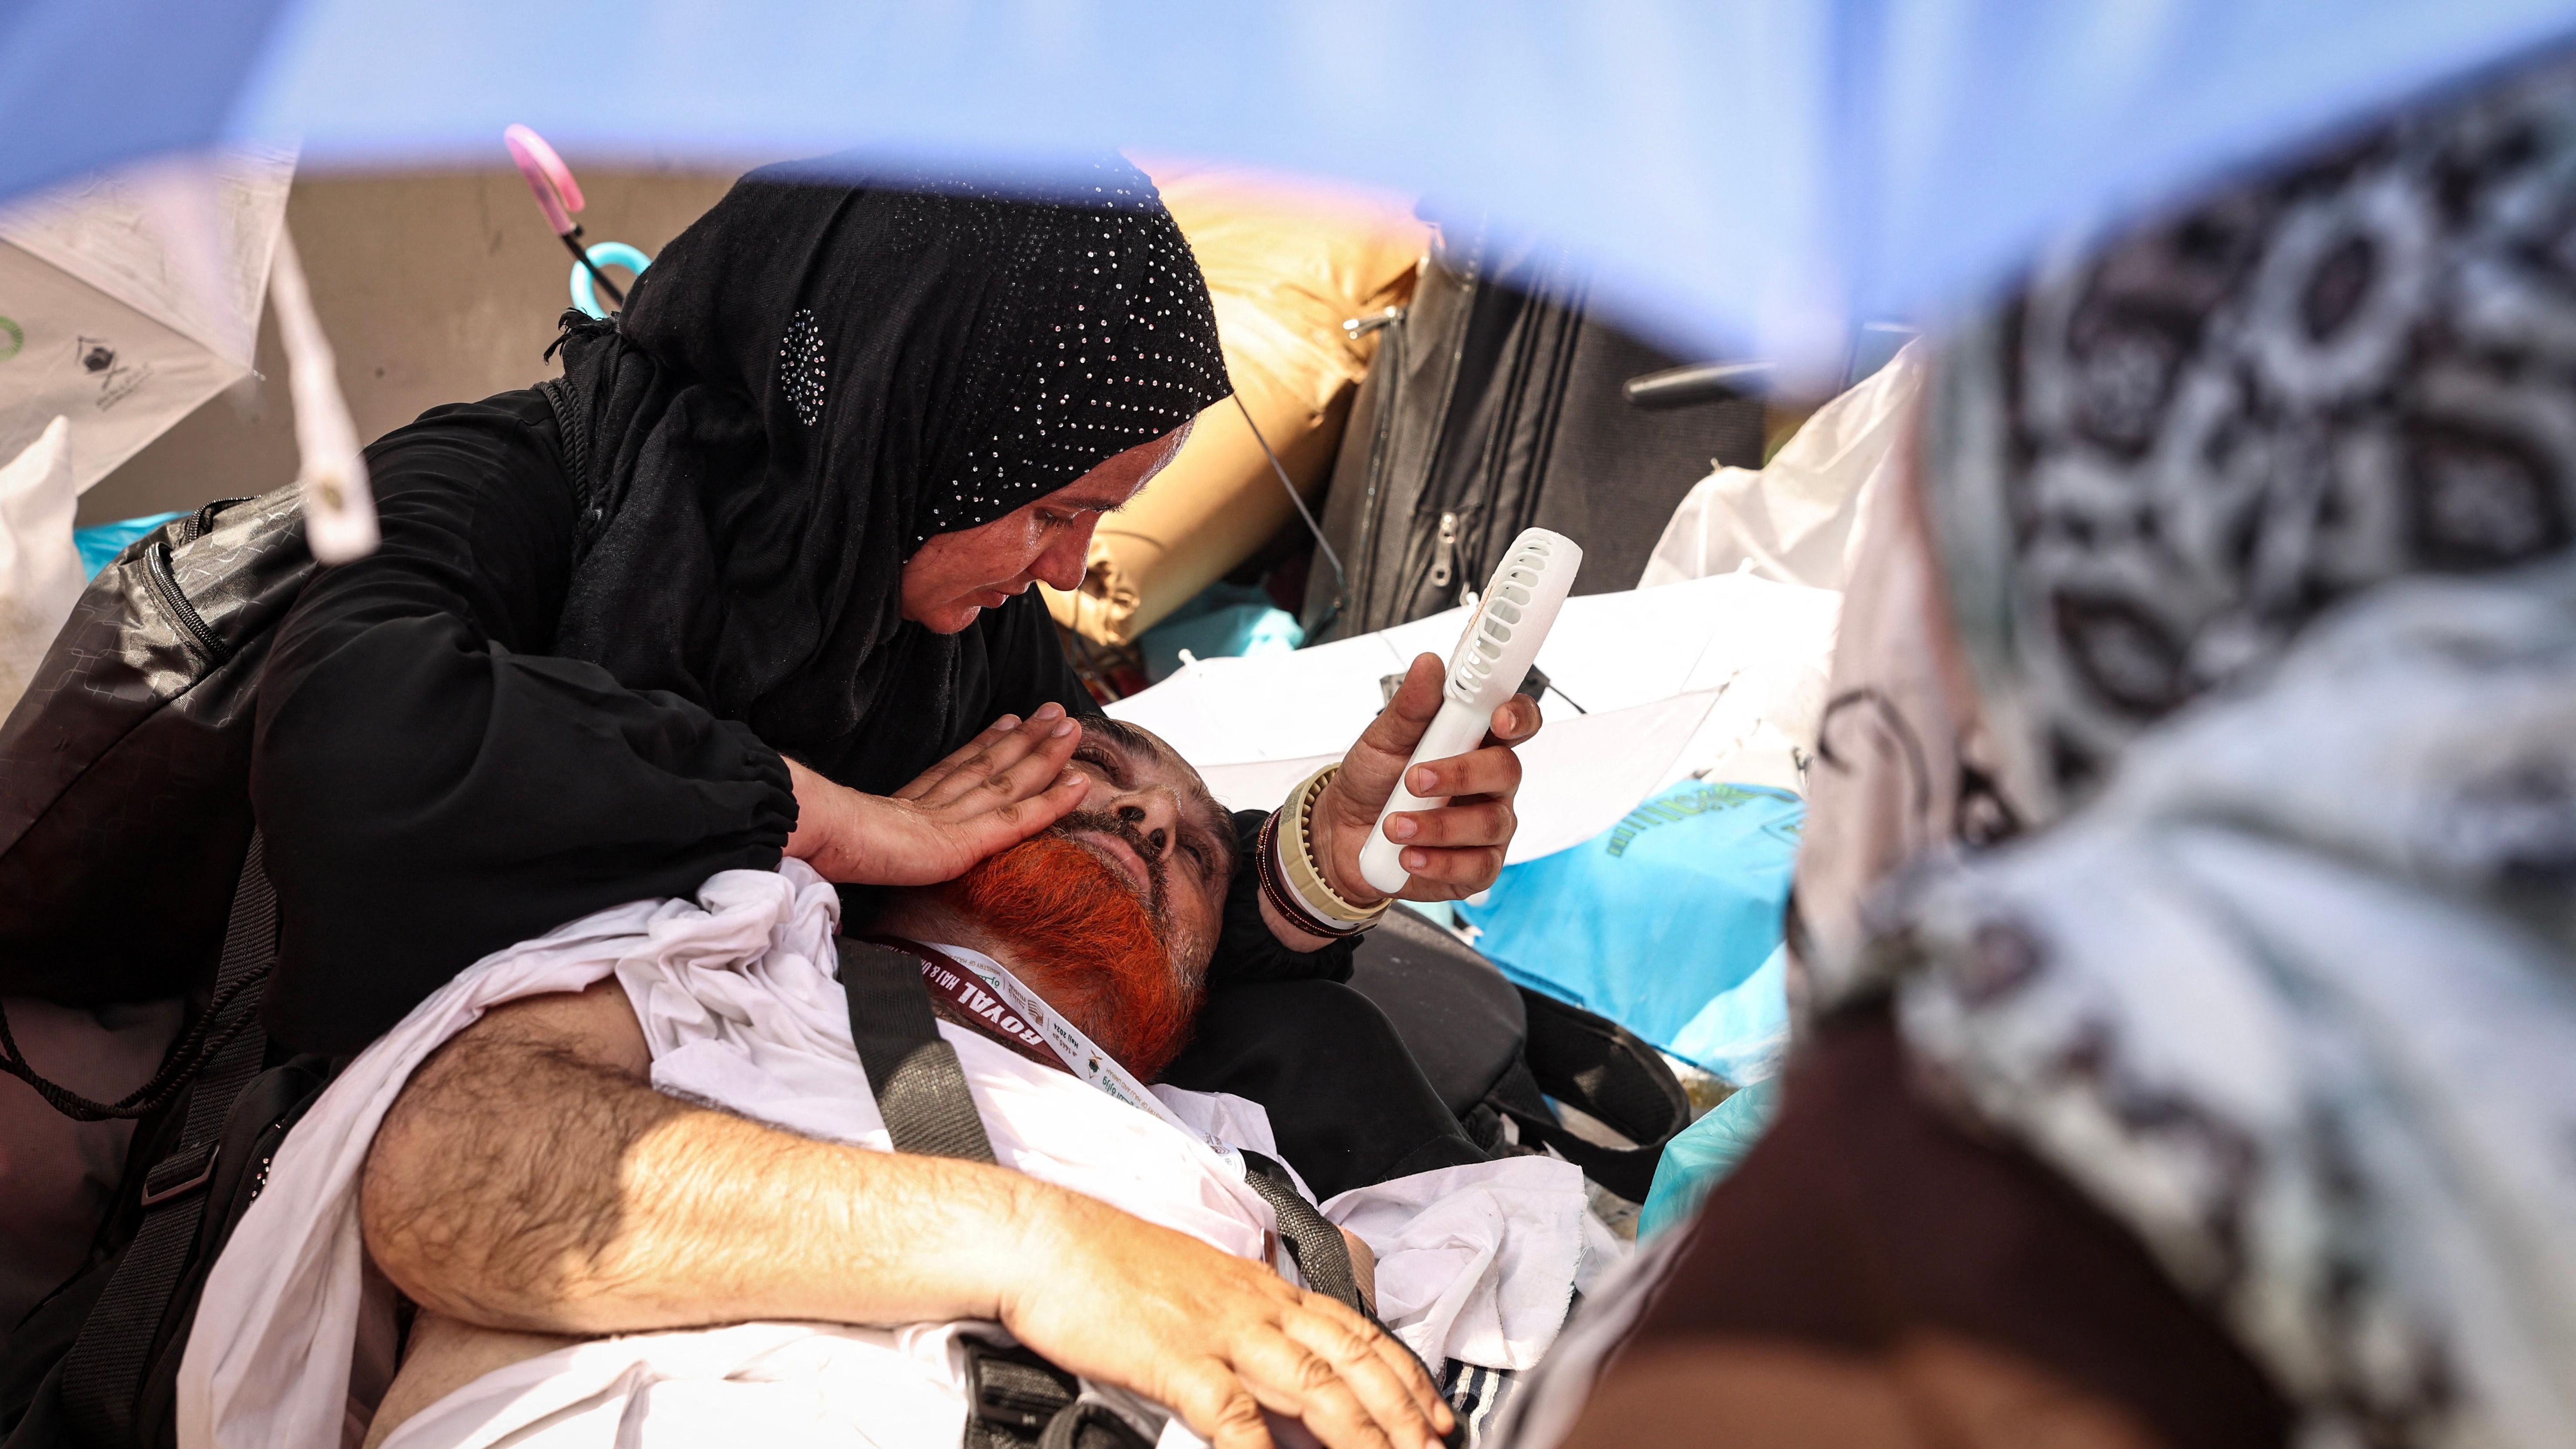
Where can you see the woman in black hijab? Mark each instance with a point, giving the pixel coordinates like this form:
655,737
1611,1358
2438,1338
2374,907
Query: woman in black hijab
789,504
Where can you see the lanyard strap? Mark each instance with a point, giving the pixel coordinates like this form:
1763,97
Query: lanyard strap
963,989
921,1091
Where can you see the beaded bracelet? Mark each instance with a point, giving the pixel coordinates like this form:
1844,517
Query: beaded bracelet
1290,878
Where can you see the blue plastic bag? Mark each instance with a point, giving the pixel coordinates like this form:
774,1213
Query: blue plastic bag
1743,1032
1220,621
1701,1156
1657,922
99,545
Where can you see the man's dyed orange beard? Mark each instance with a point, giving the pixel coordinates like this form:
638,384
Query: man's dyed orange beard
1080,937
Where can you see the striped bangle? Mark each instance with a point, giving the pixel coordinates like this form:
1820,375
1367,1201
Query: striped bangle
1291,879
1281,898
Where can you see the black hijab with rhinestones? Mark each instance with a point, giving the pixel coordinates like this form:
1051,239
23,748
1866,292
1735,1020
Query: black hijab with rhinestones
818,376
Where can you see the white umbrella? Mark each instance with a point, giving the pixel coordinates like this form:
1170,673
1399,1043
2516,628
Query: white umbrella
129,298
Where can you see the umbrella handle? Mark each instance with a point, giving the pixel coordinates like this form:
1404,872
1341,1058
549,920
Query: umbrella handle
558,195
586,272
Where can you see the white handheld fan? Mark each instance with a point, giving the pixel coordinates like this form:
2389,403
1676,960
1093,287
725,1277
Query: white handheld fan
1492,657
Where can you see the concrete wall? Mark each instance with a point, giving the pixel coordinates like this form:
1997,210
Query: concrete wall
434,287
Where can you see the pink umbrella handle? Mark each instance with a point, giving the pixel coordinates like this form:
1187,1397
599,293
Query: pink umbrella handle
558,195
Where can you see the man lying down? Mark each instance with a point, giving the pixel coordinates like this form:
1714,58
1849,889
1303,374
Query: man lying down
827,1298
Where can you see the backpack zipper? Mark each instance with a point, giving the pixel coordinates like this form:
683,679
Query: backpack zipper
174,602
1445,553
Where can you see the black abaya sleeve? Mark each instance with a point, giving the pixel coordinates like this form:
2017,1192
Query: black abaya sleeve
432,785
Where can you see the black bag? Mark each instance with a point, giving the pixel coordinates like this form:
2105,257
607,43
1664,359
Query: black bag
97,1363
1494,405
1499,1052
123,768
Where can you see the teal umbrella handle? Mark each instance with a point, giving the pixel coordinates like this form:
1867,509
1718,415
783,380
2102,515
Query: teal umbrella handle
605,254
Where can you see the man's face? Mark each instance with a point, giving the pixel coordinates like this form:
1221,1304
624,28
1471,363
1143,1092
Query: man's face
1113,913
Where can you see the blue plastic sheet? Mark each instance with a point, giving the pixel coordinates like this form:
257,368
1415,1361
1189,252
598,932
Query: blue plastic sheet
1703,1154
100,545
1665,923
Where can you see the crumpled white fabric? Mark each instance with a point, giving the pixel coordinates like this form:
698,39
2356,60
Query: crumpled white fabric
40,567
739,1003
1800,518
1461,1272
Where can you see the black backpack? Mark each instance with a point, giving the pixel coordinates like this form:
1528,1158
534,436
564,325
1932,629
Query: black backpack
127,766
125,762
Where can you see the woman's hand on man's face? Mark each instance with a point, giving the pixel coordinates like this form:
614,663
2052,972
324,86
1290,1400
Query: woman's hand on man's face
996,790
1453,851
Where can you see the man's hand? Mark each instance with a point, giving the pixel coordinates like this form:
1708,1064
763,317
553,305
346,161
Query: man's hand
1214,1337
1453,851
996,790
528,1178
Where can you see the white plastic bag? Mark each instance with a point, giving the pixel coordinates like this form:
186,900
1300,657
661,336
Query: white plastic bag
40,567
1797,520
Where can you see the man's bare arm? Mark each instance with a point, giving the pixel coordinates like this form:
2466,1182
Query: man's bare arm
529,1178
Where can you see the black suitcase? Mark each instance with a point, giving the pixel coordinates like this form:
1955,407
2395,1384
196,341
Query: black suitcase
1494,405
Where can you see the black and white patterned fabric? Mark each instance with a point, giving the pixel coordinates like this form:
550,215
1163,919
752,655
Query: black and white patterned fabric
2169,453
1476,1394
2257,525
2294,998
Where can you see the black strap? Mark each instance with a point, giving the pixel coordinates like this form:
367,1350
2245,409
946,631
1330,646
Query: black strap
103,1373
1323,1258
921,1091
1020,1400
572,454
213,1031
1627,1171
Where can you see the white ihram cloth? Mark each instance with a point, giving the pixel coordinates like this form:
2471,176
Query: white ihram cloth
738,999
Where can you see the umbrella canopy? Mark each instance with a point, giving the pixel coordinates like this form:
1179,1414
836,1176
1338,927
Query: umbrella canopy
1762,170
127,299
